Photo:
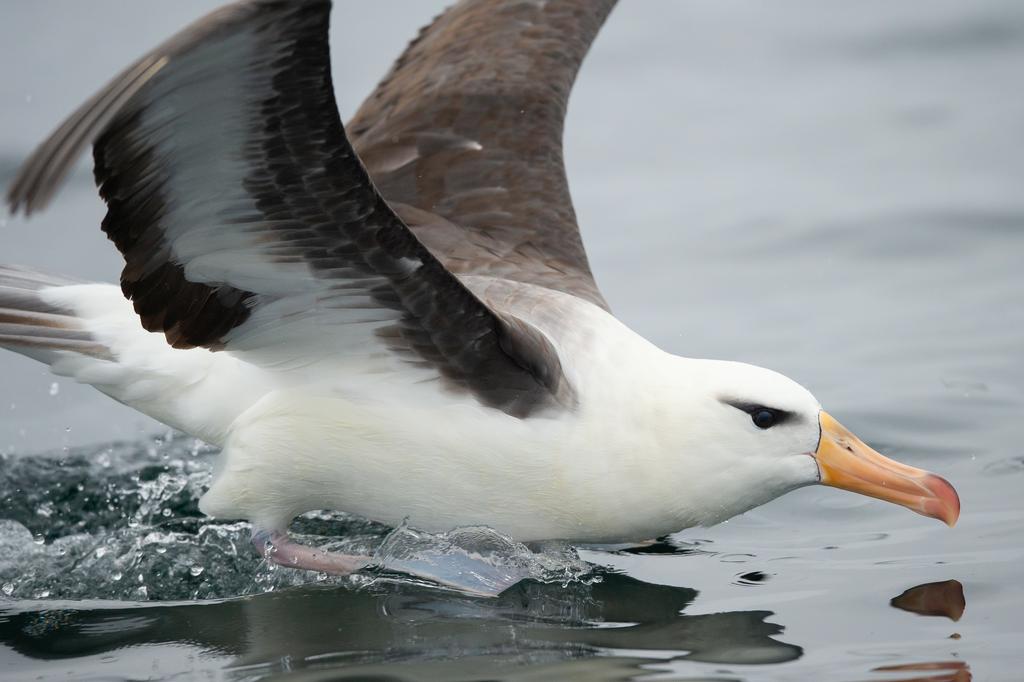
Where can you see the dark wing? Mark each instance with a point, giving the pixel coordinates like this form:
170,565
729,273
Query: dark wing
248,223
468,127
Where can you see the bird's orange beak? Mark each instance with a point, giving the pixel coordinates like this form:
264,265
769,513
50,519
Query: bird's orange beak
844,461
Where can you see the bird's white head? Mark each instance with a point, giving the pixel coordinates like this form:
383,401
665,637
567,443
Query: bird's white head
753,434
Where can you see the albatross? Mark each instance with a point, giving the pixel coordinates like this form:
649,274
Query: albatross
396,318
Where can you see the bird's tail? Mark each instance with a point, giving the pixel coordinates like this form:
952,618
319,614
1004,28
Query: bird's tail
91,333
32,325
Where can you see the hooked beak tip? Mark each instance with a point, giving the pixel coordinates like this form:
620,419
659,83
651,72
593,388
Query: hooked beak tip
945,503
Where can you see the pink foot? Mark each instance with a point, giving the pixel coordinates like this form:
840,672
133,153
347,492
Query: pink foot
276,546
462,572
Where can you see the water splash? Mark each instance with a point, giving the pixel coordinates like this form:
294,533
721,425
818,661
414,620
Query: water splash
477,559
122,522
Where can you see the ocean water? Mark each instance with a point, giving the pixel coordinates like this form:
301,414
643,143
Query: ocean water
828,189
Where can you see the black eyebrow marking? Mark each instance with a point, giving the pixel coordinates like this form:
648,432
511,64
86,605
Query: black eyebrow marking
751,408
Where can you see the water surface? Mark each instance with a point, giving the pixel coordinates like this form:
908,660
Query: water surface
828,189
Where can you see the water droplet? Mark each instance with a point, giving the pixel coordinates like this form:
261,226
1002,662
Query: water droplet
100,552
8,589
115,576
54,388
195,571
43,594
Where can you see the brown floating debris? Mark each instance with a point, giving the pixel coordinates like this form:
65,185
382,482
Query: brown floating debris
944,598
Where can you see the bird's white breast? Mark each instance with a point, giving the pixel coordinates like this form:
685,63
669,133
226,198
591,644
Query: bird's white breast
442,460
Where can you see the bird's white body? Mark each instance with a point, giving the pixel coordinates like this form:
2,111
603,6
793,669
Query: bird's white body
398,321
630,462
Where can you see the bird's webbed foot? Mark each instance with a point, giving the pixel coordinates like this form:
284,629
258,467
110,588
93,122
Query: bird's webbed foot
460,571
276,546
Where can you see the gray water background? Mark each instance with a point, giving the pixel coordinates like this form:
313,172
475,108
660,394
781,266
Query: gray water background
829,189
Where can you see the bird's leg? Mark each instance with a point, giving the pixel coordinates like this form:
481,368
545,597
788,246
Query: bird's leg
459,571
276,546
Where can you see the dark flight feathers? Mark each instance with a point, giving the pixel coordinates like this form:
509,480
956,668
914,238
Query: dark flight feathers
468,126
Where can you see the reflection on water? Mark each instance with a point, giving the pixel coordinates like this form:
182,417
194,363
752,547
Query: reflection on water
944,671
319,628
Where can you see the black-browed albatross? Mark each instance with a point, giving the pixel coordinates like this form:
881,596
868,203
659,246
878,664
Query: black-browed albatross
397,318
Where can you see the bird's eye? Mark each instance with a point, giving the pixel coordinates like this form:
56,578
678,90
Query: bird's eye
764,419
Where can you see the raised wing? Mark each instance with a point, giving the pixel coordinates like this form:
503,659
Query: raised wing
468,127
248,223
